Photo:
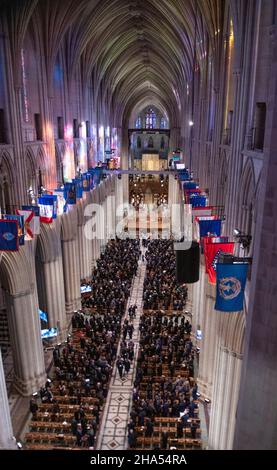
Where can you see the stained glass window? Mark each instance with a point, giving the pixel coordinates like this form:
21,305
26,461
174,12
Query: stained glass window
138,123
24,88
151,119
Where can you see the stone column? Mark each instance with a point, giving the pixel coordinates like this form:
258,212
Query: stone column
71,264
25,336
225,399
84,244
49,257
7,440
209,344
55,298
110,232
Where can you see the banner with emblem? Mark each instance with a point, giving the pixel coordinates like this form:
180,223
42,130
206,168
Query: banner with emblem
197,201
86,182
9,235
206,240
36,218
20,220
61,204
230,286
212,253
70,193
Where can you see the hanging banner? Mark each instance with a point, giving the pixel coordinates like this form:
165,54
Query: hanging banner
29,223
9,235
198,201
20,220
54,201
47,207
206,240
202,211
36,211
79,187
230,286
212,227
188,185
212,253
70,193
183,175
61,203
86,182
96,173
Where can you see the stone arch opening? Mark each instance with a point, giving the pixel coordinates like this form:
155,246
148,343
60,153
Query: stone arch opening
21,306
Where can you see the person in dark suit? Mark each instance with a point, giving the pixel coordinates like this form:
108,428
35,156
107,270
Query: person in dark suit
164,440
180,430
149,428
132,438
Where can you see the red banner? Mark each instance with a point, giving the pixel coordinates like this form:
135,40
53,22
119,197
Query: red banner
212,253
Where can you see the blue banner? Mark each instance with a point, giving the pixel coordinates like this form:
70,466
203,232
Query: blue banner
35,209
190,185
79,187
230,286
70,193
198,201
212,227
46,206
8,235
86,181
20,220
183,175
96,173
53,201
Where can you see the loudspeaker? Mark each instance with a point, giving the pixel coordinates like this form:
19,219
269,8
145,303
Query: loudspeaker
188,264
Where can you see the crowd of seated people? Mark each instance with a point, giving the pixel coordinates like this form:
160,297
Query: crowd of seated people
112,278
165,399
71,403
161,290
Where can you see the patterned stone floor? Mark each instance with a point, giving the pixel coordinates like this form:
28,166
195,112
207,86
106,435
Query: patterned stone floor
113,430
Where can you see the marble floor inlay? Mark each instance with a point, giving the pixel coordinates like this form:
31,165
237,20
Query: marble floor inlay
113,429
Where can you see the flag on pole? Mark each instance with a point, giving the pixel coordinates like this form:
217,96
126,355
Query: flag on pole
212,254
36,223
9,235
230,286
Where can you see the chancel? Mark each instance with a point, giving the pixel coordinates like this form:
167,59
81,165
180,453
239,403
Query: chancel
138,206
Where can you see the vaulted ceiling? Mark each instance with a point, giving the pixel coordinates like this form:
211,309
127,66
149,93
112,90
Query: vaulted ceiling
137,50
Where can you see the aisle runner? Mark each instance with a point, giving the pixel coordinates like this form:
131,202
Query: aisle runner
113,430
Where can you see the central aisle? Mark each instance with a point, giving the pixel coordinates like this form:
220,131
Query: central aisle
113,429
